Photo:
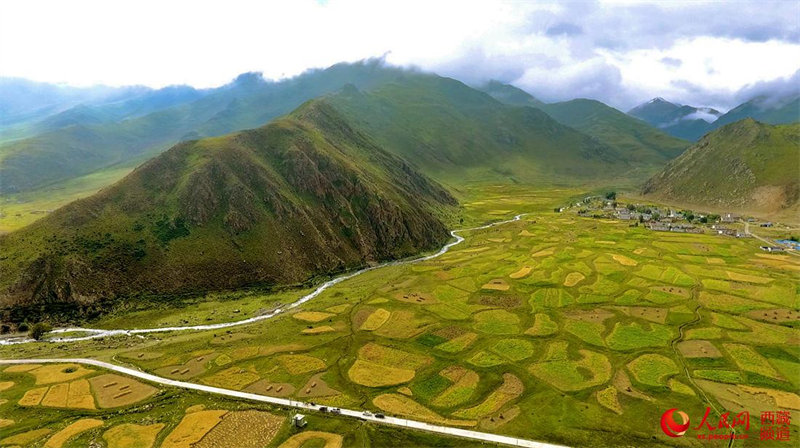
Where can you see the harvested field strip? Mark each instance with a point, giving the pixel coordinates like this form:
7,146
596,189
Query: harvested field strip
371,374
330,439
522,272
623,260
698,349
312,316
250,429
128,435
56,373
388,356
748,360
593,369
458,343
299,364
376,319
33,397
573,278
6,385
232,378
25,438
317,387
264,387
543,325
652,369
319,330
60,438
397,404
464,383
19,368
608,398
510,389
496,285
192,428
786,400
114,390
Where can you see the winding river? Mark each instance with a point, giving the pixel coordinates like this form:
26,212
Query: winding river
94,333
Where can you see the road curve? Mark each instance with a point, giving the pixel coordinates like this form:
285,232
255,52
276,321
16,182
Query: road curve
99,333
388,420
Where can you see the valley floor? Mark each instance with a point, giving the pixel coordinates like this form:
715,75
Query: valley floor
553,328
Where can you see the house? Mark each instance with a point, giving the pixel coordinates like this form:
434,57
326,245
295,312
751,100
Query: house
646,217
659,227
771,249
683,228
743,235
766,224
729,217
724,231
624,214
299,420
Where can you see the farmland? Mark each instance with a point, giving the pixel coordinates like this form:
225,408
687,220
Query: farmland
546,328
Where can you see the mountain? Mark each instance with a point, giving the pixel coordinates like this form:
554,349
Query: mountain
303,196
686,122
746,165
457,134
509,94
129,134
23,100
767,109
638,141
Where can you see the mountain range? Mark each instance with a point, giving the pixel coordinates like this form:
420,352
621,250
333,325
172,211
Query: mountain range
304,196
691,123
341,168
745,165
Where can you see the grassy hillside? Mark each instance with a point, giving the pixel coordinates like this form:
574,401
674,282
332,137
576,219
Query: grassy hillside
82,141
744,165
457,134
637,140
767,110
509,94
303,196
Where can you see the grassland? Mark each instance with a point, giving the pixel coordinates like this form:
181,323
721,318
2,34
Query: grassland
559,363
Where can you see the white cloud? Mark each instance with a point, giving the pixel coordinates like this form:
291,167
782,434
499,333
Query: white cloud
621,52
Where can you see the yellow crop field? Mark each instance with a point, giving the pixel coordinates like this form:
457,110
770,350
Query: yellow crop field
192,428
128,435
299,364
312,316
376,319
330,439
250,429
60,438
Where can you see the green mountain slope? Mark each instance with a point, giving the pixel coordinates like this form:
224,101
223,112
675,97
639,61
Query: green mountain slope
303,196
682,121
637,140
509,94
457,134
744,165
92,143
768,110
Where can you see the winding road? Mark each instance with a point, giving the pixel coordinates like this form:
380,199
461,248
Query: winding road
388,420
100,333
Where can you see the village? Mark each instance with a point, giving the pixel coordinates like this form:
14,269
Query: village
665,219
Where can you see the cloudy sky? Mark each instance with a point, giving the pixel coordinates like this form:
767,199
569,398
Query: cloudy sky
620,52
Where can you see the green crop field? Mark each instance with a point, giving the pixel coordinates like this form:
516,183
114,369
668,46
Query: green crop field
498,326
